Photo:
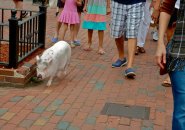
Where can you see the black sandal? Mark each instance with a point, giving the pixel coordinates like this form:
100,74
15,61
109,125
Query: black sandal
24,14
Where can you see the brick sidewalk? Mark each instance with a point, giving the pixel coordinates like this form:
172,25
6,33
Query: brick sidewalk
76,101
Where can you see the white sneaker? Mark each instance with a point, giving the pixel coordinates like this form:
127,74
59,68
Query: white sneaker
155,36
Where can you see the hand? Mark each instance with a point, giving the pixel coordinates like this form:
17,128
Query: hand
155,16
79,2
161,54
85,9
108,11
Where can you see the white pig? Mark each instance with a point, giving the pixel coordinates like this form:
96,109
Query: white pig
53,61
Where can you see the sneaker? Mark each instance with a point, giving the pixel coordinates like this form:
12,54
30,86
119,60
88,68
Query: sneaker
54,40
155,36
130,73
72,45
76,42
119,63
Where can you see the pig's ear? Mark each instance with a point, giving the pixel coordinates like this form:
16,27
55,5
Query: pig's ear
38,58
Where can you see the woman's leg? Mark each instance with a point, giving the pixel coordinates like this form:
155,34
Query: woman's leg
77,28
101,36
64,29
72,30
88,47
178,89
18,5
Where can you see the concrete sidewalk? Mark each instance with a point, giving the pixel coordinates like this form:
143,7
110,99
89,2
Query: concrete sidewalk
76,101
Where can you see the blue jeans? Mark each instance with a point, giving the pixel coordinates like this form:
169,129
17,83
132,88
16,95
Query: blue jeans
178,89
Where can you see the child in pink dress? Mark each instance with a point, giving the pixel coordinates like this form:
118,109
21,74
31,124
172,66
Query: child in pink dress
69,16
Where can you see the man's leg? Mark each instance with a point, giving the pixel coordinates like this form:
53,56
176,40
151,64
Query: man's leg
120,47
135,14
131,51
143,29
118,12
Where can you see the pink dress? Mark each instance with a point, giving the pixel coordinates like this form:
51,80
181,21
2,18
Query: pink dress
69,14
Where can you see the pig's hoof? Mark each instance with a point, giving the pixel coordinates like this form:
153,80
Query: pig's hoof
48,84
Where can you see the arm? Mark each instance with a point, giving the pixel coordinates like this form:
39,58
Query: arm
155,14
108,7
163,24
85,6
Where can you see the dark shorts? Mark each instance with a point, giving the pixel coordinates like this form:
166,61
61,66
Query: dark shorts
60,4
173,18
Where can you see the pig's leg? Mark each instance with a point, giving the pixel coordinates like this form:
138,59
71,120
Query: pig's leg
59,73
65,70
50,80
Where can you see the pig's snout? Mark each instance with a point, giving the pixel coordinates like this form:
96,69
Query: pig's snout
39,76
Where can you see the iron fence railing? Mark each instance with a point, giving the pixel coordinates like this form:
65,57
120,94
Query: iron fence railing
23,36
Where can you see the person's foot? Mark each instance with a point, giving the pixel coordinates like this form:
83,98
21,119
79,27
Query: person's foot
77,42
119,63
130,73
24,14
56,13
137,51
166,82
141,50
72,45
155,36
54,40
101,52
87,48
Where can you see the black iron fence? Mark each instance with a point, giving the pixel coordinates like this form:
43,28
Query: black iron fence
21,37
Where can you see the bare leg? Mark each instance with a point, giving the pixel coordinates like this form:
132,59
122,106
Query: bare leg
72,32
88,47
100,48
120,47
64,29
131,51
58,26
77,28
72,35
18,5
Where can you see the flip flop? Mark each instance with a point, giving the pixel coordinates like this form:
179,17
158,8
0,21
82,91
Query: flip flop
101,52
24,14
166,83
87,49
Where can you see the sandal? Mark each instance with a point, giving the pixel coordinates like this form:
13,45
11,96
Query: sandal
101,52
142,50
137,51
56,13
166,83
24,14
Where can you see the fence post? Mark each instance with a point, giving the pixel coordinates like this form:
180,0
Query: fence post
42,24
13,40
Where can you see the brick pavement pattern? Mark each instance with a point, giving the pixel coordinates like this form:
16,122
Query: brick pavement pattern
75,102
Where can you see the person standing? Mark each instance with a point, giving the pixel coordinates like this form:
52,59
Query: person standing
95,19
143,29
173,58
19,5
126,16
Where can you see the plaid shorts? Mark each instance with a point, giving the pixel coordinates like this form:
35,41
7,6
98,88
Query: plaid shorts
125,19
